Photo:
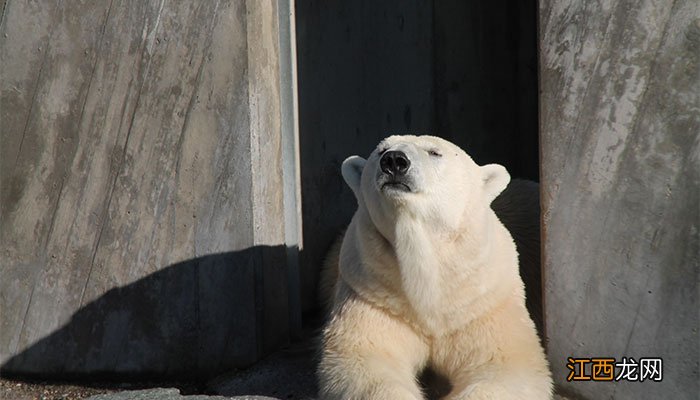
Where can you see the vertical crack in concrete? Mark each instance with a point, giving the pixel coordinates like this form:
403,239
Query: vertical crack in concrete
57,204
26,313
94,64
653,64
2,16
33,101
596,66
143,73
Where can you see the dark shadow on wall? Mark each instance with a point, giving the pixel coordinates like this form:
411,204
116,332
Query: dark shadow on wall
192,320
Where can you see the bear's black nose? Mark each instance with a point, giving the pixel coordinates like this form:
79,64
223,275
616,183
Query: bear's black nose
394,163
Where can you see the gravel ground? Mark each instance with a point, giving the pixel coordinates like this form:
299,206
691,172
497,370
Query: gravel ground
11,389
18,390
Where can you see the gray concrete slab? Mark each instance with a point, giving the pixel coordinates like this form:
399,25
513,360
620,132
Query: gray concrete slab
141,202
167,394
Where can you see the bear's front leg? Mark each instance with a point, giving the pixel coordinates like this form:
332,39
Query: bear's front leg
368,354
501,383
497,357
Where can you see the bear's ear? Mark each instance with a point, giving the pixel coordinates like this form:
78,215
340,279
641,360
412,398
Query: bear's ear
495,178
352,172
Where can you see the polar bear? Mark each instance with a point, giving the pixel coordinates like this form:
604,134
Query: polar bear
428,277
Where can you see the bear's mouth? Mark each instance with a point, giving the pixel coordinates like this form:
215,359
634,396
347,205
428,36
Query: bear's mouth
396,185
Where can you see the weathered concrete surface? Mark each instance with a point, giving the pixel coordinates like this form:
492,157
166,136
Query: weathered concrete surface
287,374
466,71
620,130
141,210
168,394
174,394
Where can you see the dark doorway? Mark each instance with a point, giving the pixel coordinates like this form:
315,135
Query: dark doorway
465,71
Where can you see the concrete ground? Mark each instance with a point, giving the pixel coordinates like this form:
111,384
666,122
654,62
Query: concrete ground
288,374
168,394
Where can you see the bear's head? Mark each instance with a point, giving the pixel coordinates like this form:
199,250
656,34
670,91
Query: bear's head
425,178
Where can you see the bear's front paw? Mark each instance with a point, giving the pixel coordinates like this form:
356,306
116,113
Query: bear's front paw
481,391
500,391
379,392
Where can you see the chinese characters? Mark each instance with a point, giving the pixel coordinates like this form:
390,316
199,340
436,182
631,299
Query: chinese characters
607,369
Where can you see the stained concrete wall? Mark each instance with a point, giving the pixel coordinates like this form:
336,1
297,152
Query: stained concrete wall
466,71
142,216
620,130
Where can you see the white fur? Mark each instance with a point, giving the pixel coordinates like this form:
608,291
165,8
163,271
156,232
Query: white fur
429,278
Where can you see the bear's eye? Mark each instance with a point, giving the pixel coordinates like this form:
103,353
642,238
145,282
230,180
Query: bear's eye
434,153
382,151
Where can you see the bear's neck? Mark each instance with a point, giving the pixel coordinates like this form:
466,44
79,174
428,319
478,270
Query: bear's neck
425,269
431,261
418,264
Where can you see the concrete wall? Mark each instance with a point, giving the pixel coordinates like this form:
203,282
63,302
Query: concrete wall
142,216
620,130
466,71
